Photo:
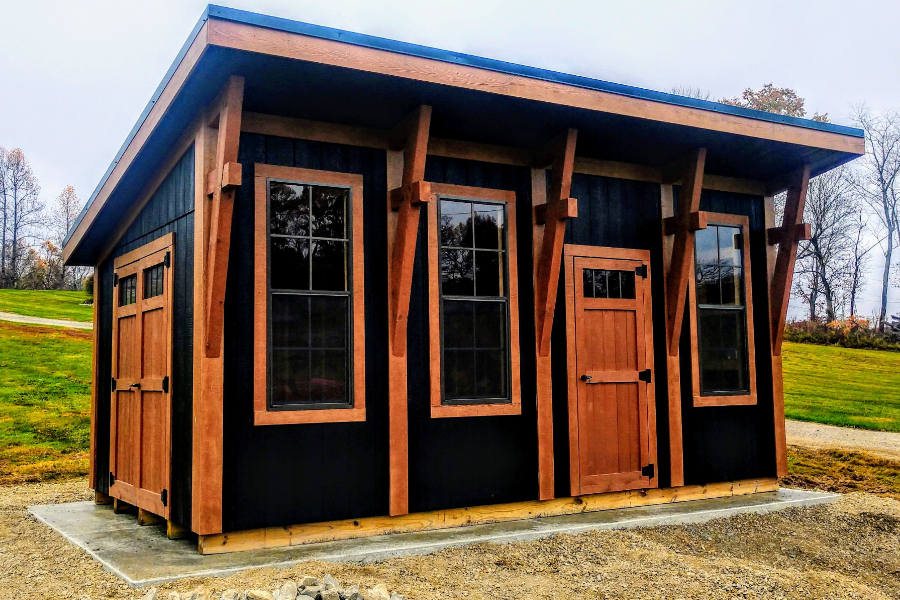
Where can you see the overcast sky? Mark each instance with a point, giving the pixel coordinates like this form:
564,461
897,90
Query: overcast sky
75,76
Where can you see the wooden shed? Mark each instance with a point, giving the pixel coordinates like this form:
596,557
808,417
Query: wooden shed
347,285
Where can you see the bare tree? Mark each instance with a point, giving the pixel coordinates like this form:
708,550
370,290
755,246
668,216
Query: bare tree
878,184
62,218
858,260
689,92
23,210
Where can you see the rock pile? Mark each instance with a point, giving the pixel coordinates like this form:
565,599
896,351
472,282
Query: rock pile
307,588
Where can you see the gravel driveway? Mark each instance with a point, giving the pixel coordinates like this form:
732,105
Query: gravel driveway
816,435
850,549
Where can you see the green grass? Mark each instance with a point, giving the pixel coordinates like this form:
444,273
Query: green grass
45,376
842,386
50,304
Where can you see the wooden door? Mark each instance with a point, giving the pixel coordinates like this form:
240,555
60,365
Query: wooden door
140,414
614,422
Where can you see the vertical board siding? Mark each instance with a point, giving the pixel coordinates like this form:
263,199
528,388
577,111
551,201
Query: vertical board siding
170,209
285,474
468,461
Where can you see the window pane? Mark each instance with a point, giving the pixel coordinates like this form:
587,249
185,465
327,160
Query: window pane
290,321
128,290
459,374
457,272
615,284
627,284
457,328
475,349
490,374
723,351
456,223
705,243
290,377
328,321
489,226
153,281
708,284
731,286
601,283
588,283
288,208
329,266
289,264
329,207
490,325
328,376
488,274
730,246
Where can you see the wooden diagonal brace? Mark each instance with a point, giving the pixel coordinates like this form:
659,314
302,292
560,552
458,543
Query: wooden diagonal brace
559,205
683,245
408,199
787,255
801,232
221,183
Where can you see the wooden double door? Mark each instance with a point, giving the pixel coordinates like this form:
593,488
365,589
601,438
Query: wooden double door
141,408
612,427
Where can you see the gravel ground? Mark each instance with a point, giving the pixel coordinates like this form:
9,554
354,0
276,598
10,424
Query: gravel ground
815,435
15,318
850,549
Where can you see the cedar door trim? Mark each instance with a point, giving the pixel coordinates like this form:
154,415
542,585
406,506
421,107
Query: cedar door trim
750,397
438,409
261,413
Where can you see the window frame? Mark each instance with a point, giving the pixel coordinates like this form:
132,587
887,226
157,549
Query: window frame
726,399
356,410
471,409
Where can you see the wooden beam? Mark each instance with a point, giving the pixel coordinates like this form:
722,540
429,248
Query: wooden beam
222,187
311,533
548,264
801,231
176,532
683,247
413,192
696,222
147,518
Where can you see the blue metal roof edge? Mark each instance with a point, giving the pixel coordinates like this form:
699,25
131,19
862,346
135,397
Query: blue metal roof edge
140,121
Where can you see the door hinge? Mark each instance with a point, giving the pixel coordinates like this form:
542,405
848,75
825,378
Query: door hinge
113,384
112,479
165,384
641,271
164,497
645,375
648,471
115,279
167,260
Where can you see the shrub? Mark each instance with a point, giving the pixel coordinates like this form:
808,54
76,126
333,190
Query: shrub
850,333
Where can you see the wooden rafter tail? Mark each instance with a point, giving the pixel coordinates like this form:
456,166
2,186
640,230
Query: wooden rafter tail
787,253
684,224
412,136
221,185
554,214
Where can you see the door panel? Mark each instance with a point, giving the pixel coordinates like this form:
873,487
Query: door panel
613,425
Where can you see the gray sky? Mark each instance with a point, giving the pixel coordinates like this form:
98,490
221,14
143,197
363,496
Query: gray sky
74,76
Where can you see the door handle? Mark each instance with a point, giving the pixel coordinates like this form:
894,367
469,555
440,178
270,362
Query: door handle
586,378
135,385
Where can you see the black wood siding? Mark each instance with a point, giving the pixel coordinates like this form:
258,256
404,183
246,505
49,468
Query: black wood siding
284,474
171,209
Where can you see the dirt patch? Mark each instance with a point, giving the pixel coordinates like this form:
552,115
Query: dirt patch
885,444
850,549
834,470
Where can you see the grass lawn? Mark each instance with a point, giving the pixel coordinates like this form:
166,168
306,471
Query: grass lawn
50,304
45,376
842,386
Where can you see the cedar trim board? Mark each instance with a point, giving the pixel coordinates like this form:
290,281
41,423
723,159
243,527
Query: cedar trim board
296,535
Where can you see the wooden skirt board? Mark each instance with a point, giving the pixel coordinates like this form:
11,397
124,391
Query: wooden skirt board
140,423
612,424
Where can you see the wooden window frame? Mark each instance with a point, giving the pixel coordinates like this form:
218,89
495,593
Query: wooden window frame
262,415
438,409
749,398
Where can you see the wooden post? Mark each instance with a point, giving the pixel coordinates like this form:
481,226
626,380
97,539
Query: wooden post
551,210
407,192
678,259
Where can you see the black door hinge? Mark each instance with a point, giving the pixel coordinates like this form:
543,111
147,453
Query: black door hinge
641,271
167,260
165,384
645,375
112,479
115,279
648,471
164,497
113,384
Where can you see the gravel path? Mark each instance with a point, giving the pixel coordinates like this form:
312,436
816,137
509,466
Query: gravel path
849,549
816,435
7,316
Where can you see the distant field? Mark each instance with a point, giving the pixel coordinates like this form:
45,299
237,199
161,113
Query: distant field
842,386
50,304
45,376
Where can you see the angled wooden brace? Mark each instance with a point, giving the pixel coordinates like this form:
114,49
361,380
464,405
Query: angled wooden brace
221,184
412,136
554,214
683,225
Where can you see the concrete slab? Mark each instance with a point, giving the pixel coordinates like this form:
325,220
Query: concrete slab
143,556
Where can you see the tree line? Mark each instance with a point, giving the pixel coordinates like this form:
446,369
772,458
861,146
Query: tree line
32,233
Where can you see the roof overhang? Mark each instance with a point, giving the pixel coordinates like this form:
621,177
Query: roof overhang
396,73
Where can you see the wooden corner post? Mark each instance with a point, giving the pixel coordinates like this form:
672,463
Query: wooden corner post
216,174
408,192
781,272
678,231
552,208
